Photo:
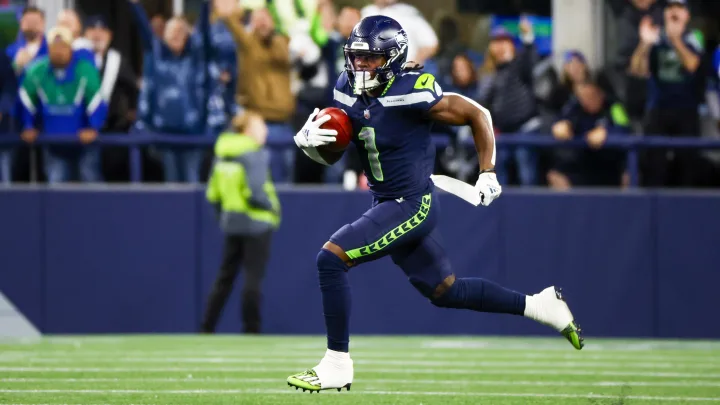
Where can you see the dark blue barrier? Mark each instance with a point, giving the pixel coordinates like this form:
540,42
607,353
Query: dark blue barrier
143,260
22,251
633,144
688,264
120,261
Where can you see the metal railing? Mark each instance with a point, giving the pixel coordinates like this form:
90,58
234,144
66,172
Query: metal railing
632,144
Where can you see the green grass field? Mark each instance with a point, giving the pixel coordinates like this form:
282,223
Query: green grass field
388,370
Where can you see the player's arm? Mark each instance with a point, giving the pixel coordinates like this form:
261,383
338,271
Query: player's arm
456,109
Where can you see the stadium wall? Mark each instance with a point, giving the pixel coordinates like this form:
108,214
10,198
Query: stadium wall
142,261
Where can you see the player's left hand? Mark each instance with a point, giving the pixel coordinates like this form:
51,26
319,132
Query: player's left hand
488,187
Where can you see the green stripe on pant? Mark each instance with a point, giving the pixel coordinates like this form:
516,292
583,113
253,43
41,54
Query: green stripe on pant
396,232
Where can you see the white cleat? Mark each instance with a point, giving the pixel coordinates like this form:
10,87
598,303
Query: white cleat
331,373
549,308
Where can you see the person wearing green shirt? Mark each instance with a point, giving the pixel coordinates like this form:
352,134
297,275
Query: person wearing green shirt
248,211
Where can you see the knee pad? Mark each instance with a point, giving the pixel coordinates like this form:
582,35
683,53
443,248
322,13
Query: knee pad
453,297
332,271
328,260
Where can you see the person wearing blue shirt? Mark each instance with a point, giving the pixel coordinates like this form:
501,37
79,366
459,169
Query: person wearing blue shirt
670,58
715,74
23,53
8,91
222,70
31,44
173,98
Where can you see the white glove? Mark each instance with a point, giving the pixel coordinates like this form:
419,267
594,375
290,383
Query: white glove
311,135
488,187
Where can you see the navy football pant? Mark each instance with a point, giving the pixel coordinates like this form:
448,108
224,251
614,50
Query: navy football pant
404,229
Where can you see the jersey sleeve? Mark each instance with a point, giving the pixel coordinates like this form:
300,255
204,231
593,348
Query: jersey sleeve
422,92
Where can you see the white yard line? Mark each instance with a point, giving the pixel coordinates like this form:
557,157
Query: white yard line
402,342
212,380
469,371
362,393
380,362
230,355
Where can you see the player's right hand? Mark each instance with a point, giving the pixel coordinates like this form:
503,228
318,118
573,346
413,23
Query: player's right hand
311,135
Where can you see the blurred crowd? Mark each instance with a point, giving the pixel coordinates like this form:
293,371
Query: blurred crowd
199,80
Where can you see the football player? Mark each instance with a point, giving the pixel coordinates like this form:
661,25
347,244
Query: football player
392,105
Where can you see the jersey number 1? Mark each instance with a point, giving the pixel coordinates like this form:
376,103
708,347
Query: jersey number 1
367,134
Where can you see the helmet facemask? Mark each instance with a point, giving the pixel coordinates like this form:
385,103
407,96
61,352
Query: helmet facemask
366,80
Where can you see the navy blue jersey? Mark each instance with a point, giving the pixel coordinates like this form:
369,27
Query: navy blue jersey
670,85
392,133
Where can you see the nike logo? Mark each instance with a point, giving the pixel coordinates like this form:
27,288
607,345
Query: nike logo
425,81
401,199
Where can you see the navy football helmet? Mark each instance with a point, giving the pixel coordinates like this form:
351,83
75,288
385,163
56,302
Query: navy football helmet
375,36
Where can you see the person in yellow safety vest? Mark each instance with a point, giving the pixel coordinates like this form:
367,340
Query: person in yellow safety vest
248,211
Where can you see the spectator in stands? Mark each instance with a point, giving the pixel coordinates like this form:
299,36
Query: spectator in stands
670,58
592,115
119,88
463,77
8,91
28,49
715,79
248,211
315,55
81,45
347,19
158,22
265,63
506,89
264,80
450,46
31,45
575,71
222,68
173,99
61,95
633,89
422,41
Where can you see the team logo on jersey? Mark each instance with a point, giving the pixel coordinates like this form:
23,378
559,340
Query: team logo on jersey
426,81
366,114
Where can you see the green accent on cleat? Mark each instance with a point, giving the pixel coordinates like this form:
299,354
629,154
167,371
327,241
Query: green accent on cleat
297,381
572,334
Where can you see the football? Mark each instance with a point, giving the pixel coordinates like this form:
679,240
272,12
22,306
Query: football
340,122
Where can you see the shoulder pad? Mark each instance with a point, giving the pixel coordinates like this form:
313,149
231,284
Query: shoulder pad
342,81
418,81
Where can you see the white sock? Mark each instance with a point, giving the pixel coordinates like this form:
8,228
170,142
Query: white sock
337,357
531,307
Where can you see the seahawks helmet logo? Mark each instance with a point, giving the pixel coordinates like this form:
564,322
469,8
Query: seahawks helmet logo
401,39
